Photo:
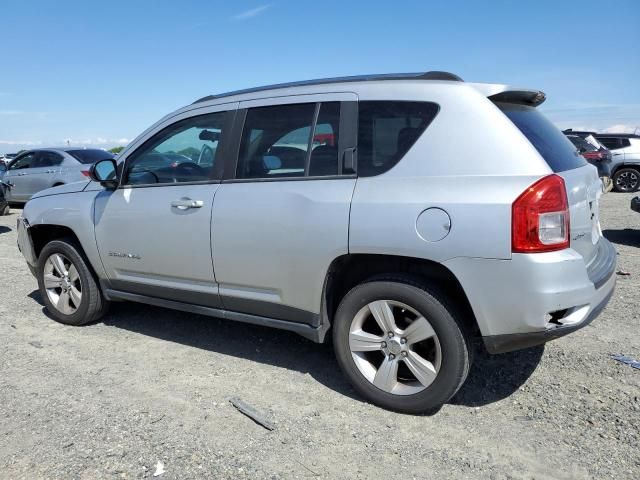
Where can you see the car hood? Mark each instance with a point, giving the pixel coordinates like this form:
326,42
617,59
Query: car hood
60,189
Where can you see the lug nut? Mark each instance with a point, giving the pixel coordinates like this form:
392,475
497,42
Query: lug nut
390,334
404,354
383,344
392,356
403,341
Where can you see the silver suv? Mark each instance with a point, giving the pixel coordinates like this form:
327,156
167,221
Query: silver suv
407,215
36,170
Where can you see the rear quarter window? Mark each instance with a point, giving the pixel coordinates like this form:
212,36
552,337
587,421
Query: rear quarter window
559,153
387,130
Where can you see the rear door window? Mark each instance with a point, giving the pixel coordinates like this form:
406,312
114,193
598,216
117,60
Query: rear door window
548,140
610,142
47,159
293,140
387,130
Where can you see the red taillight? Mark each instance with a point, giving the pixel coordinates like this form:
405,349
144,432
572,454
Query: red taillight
540,217
85,173
593,156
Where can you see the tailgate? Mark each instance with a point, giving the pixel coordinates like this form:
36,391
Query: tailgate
584,190
582,183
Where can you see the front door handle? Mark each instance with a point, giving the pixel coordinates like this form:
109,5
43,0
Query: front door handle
186,203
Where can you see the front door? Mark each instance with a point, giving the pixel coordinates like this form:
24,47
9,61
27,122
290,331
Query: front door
153,232
284,216
17,177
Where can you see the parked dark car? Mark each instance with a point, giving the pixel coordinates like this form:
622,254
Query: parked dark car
596,154
4,205
625,161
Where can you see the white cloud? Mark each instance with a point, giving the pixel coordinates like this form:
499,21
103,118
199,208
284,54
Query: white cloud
254,12
622,128
98,141
20,142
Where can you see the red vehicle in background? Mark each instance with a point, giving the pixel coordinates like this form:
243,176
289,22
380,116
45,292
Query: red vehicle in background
596,154
324,139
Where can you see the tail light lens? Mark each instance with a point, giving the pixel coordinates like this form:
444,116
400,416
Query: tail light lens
85,172
540,217
597,156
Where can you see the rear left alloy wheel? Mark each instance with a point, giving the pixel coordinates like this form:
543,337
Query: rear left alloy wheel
67,286
400,345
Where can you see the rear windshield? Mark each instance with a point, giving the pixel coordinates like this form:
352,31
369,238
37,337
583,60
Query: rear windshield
550,142
581,143
89,156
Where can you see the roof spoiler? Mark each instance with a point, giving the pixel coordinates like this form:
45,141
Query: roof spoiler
522,97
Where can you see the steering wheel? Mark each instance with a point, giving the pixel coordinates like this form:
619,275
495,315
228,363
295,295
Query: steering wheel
142,172
191,169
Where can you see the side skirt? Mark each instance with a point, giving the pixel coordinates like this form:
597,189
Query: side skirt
315,334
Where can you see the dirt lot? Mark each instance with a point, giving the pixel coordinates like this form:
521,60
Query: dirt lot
148,385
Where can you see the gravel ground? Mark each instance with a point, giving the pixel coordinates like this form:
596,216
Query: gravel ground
147,385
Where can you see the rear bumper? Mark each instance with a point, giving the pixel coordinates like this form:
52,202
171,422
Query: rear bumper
534,298
518,341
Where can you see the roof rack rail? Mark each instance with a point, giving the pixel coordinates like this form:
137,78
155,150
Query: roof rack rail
432,75
438,75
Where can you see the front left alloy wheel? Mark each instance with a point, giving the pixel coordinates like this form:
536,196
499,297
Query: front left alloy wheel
67,286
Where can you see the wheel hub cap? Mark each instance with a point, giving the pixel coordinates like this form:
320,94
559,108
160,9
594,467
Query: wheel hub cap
394,347
62,284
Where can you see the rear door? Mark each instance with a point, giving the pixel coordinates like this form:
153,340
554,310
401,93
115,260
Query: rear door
44,170
583,185
284,216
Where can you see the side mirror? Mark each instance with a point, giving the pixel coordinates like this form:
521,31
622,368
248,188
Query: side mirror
105,173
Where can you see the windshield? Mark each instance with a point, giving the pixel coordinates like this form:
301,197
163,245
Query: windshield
89,156
548,140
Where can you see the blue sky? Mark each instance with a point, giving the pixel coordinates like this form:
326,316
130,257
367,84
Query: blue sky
99,73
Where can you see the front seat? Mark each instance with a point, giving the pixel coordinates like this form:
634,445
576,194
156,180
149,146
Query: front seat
324,161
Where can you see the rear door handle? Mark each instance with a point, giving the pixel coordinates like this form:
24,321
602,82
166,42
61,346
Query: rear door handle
187,203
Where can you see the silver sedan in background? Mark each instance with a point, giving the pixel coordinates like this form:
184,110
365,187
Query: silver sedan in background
36,170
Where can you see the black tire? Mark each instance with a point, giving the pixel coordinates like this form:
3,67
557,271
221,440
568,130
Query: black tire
433,305
626,179
92,304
